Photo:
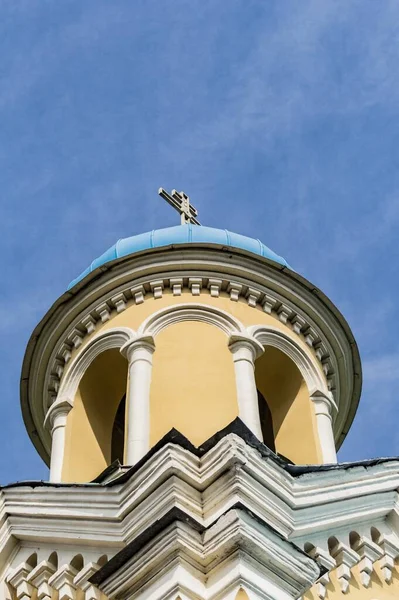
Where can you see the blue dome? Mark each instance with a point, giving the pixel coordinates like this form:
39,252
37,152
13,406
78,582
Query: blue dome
181,234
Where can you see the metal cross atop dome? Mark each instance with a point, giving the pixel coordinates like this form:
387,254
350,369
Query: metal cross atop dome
181,202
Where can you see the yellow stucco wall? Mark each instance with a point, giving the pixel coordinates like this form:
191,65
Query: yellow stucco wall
286,393
193,383
193,386
90,422
377,590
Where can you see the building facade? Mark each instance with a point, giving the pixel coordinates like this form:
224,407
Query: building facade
189,393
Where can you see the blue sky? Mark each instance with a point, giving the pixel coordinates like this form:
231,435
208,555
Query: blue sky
279,118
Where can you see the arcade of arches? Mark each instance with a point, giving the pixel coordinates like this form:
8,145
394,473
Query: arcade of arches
193,389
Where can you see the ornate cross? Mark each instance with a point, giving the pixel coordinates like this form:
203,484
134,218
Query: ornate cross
181,202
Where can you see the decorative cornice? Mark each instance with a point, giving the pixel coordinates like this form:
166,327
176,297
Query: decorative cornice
39,579
318,512
283,569
345,558
86,326
198,285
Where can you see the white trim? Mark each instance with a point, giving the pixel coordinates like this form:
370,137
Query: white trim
245,350
271,336
178,313
325,407
315,382
210,564
57,418
281,310
111,338
139,353
306,510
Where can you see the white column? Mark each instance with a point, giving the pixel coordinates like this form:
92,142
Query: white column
324,406
57,419
245,350
139,355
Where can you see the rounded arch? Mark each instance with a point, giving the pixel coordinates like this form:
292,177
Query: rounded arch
271,336
77,562
193,383
190,312
287,378
90,393
108,340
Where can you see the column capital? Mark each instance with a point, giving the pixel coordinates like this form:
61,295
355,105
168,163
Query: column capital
143,342
240,343
57,411
325,407
324,403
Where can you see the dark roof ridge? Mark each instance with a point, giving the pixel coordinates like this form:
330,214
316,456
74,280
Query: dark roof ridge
236,427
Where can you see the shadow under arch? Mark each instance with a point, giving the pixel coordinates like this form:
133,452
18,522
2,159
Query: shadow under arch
90,429
118,433
94,385
276,338
77,562
266,422
285,376
32,560
113,338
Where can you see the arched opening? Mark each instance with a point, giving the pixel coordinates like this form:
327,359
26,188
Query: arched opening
375,535
118,433
102,560
266,422
93,425
292,415
77,562
333,543
354,539
53,559
32,560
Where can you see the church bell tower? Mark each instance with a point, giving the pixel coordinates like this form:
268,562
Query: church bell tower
189,393
188,328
